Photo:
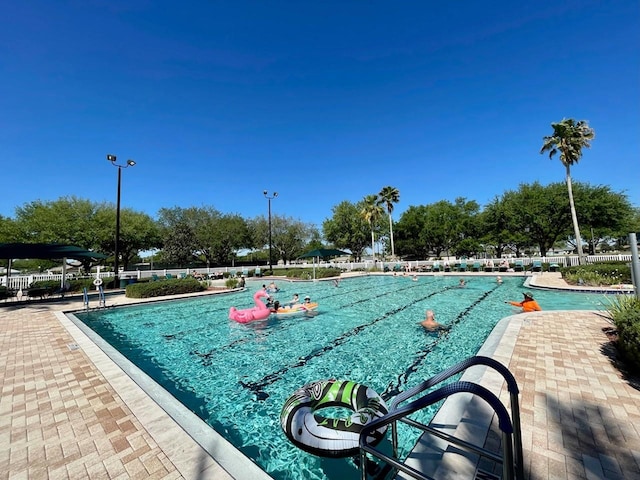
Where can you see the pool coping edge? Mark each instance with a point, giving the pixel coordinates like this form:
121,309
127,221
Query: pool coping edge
189,442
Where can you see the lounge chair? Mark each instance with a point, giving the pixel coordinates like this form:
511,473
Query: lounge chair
232,273
168,276
436,266
462,267
154,277
554,267
476,267
397,267
536,266
519,266
257,272
183,275
489,266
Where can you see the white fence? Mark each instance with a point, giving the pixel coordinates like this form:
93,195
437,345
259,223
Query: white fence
22,282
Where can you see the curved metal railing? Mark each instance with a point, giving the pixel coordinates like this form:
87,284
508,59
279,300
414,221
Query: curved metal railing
512,456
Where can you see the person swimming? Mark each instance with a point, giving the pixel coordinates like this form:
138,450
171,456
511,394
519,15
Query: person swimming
275,306
430,324
528,304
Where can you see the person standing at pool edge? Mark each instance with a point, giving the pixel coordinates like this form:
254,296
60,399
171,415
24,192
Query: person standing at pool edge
528,304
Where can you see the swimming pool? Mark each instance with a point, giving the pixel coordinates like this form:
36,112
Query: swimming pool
237,377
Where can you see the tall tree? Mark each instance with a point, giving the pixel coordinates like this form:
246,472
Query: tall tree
371,212
387,197
8,230
438,227
608,214
138,231
346,229
89,225
290,237
569,138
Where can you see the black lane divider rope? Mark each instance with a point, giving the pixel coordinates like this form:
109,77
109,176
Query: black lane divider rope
207,356
206,327
393,389
258,387
389,292
215,311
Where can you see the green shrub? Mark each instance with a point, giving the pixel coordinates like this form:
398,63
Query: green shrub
231,282
597,274
307,273
164,287
75,284
625,312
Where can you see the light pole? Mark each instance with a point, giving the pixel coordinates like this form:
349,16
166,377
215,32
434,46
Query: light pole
130,163
269,198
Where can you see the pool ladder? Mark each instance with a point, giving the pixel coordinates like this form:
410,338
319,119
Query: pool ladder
511,458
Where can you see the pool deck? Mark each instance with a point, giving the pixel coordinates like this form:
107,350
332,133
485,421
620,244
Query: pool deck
68,411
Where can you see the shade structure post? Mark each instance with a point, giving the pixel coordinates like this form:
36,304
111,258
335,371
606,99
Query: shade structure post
64,273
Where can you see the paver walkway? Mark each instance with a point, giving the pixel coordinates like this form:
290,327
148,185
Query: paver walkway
580,415
61,418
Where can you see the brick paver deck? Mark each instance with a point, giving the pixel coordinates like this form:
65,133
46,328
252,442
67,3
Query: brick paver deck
580,415
60,417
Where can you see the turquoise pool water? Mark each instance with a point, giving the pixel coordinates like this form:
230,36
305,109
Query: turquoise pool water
236,377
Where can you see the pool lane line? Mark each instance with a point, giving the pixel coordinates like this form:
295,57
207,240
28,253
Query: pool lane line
207,356
257,387
215,311
394,389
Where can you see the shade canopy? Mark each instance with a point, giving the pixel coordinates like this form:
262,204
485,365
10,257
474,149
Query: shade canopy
47,251
324,253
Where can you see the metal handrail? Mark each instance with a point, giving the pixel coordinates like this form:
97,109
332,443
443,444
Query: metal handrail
504,423
512,387
512,452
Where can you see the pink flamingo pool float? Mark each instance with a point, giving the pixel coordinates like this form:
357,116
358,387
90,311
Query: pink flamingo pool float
259,312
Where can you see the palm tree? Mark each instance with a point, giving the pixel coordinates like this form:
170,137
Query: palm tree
372,212
387,197
569,138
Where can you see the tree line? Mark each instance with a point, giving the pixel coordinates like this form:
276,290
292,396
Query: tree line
533,218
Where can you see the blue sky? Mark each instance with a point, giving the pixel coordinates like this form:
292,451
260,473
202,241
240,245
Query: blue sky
322,102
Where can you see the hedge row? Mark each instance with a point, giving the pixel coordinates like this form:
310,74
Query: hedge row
75,284
164,287
612,273
307,273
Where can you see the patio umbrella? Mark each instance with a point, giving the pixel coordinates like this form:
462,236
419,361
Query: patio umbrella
322,253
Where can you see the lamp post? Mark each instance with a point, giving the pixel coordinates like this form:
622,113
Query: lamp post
269,198
130,163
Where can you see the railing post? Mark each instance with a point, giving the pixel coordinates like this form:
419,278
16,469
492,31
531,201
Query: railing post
635,263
